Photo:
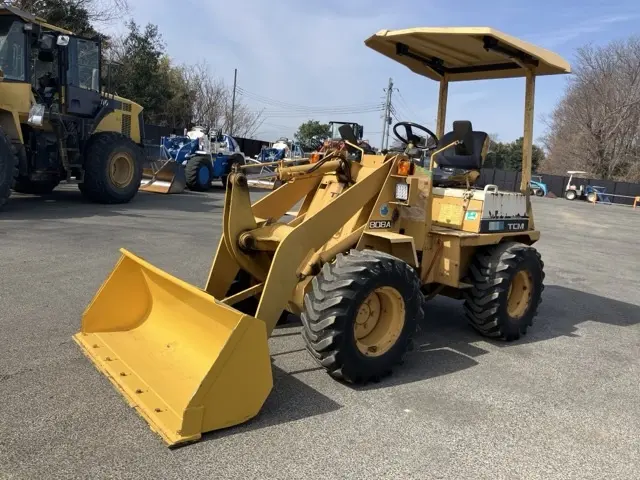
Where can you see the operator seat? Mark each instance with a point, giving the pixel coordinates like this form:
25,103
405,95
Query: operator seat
47,87
460,164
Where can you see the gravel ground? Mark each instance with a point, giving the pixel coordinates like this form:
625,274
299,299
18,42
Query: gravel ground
561,403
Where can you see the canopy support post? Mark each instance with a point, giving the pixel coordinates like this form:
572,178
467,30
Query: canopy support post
442,106
527,141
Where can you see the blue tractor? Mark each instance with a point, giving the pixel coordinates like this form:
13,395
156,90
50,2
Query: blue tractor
283,149
225,153
203,159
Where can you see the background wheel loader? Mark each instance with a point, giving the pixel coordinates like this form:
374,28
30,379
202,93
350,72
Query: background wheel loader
375,236
55,122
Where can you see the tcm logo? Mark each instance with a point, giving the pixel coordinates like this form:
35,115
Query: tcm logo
516,226
379,224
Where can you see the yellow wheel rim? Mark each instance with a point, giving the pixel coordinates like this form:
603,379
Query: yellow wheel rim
379,321
520,291
121,169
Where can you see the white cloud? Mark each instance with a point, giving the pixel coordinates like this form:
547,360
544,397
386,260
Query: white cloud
555,38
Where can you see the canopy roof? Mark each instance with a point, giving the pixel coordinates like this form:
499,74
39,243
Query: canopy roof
28,17
465,53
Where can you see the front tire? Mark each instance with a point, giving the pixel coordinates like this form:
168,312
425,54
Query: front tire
112,169
199,173
360,316
507,288
570,195
539,193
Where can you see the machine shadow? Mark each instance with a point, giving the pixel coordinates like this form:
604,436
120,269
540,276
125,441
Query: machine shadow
445,343
69,203
290,400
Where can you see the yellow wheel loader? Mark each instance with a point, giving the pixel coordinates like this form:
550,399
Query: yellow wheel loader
374,237
55,122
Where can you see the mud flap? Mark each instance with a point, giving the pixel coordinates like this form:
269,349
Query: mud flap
167,177
187,363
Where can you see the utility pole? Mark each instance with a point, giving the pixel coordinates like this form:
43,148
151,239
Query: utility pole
233,100
387,117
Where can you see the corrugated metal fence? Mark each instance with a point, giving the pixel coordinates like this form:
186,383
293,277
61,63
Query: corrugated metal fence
509,180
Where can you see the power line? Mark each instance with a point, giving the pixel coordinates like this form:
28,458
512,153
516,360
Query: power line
286,106
337,110
399,112
394,113
406,104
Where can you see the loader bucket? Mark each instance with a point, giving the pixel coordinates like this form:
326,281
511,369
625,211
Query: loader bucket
187,363
163,177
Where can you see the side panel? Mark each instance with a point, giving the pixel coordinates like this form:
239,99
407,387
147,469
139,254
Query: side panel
111,122
137,123
498,212
451,212
220,165
446,269
400,246
10,124
125,118
15,101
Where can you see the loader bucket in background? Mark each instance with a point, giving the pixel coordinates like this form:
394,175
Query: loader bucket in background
187,363
163,177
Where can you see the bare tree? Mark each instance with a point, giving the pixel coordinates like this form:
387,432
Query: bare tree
596,126
97,11
210,96
212,104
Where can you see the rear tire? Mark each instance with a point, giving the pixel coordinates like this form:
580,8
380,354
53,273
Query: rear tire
539,193
199,173
507,288
349,325
112,169
8,167
570,195
592,197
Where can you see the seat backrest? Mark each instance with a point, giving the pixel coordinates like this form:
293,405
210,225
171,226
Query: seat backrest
468,155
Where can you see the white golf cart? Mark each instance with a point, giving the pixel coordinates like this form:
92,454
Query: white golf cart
583,191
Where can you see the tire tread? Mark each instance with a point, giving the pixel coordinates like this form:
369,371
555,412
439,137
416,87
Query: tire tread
490,273
326,317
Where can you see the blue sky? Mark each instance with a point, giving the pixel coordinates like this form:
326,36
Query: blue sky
312,53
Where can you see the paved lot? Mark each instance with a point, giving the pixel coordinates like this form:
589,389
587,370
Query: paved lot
562,403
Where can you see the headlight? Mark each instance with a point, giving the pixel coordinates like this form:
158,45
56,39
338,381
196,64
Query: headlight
402,191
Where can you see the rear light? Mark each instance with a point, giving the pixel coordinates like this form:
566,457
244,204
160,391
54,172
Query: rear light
404,167
314,157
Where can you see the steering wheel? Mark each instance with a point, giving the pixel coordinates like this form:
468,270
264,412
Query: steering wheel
412,137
